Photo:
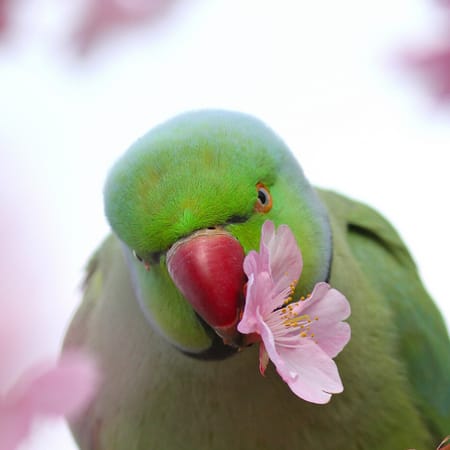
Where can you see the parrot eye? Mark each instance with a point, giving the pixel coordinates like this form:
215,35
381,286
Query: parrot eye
264,202
137,256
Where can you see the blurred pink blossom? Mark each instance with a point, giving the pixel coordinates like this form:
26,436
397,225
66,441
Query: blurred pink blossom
106,15
434,65
30,387
32,390
61,389
4,13
101,17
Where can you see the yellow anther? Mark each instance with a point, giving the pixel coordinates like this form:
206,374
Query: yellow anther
303,334
316,318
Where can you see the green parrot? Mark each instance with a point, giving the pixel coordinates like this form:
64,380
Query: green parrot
164,292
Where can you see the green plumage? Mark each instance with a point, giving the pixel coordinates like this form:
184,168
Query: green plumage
395,370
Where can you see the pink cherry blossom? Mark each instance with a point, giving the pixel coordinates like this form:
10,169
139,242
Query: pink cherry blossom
301,337
434,66
6,13
3,14
61,389
29,391
30,388
432,62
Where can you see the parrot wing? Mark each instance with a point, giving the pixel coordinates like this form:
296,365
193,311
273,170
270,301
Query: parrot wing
422,339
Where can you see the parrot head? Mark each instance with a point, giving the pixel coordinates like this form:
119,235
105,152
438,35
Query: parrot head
188,201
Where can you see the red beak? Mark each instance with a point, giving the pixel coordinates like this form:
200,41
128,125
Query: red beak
207,268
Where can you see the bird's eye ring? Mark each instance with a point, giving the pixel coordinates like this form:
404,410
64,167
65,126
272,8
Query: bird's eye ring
264,201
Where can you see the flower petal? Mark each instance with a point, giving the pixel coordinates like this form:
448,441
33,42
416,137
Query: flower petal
310,372
14,427
257,287
62,389
325,302
267,234
104,15
285,258
329,307
334,338
268,341
255,263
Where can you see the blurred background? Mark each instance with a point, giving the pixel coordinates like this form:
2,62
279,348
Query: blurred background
78,87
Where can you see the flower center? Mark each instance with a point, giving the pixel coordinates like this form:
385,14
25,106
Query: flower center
291,319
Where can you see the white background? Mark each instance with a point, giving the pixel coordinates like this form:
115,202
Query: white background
323,74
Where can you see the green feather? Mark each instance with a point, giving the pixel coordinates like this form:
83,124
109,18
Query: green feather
421,339
165,308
